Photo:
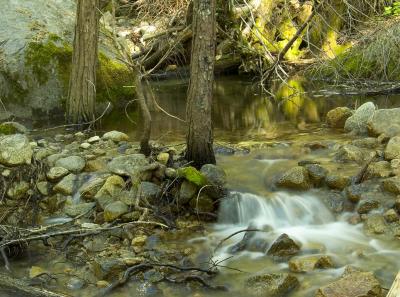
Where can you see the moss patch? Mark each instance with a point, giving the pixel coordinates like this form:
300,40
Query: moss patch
193,175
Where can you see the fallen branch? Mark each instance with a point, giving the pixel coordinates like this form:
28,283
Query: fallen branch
18,287
233,234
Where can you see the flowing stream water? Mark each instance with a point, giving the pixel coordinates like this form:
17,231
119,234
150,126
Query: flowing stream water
241,113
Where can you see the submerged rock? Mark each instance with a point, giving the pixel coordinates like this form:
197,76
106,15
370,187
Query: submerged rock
375,224
391,216
385,121
336,118
283,247
296,178
310,263
354,284
271,285
357,123
15,150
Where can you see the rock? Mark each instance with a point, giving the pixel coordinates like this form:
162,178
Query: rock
15,150
102,284
114,210
75,210
393,148
163,158
93,139
367,205
391,216
338,182
215,175
357,123
349,153
283,247
317,174
354,193
368,142
385,121
139,241
18,190
186,192
43,188
378,169
116,136
130,165
392,185
336,118
105,268
67,185
271,285
310,263
296,178
8,128
202,203
355,284
96,165
149,192
75,283
35,271
85,145
396,205
90,188
56,173
74,164
335,201
375,224
109,191
170,173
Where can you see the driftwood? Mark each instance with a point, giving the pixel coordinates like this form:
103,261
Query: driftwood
17,287
395,289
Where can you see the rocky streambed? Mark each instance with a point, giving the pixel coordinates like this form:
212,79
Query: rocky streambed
312,214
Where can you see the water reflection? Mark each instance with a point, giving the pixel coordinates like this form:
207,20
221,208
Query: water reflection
240,109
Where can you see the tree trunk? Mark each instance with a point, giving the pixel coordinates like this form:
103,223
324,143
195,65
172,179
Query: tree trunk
82,84
145,114
198,110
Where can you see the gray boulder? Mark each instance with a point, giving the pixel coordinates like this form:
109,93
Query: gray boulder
130,165
114,210
67,185
8,128
150,192
385,121
15,150
74,164
75,210
357,123
187,191
56,173
350,153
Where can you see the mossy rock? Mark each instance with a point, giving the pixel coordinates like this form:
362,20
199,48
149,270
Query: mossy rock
193,175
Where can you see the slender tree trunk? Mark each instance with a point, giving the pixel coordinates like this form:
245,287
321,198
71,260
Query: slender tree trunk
145,115
82,84
198,110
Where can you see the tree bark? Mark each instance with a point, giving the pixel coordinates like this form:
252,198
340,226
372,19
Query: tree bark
198,109
82,84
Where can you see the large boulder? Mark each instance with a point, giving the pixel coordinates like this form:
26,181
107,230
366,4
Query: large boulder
393,148
36,59
385,121
357,123
296,178
8,128
271,285
354,284
350,153
336,118
15,150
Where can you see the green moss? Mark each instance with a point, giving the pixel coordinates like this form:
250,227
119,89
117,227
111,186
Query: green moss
7,129
55,56
193,175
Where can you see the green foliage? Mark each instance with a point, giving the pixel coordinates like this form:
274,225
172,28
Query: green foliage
193,175
393,10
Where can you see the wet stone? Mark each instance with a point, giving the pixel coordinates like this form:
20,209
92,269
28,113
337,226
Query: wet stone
317,174
391,216
393,148
67,185
114,210
271,285
392,185
354,193
75,210
367,205
186,192
116,136
335,202
105,268
310,263
375,224
73,164
296,178
336,118
338,182
283,247
56,173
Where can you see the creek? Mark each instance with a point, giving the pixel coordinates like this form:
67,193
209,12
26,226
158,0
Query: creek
278,130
